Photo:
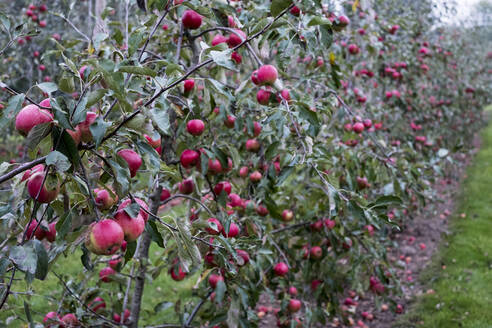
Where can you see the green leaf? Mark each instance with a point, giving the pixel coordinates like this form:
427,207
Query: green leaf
278,6
27,310
60,111
98,129
59,160
233,313
131,247
95,96
80,112
24,257
64,225
319,20
151,227
223,59
66,83
136,70
385,201
122,175
13,108
66,146
37,134
160,117
48,87
42,259
86,258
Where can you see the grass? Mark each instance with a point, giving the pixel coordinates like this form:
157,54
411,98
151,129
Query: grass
47,293
461,274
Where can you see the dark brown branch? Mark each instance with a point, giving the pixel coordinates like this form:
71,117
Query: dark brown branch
22,168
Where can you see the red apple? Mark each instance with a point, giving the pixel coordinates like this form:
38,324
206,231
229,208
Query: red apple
292,291
133,159
30,116
186,186
230,121
51,319
177,273
165,194
47,192
281,269
358,127
233,231
117,316
195,127
85,131
154,143
263,97
189,158
214,279
191,19
255,176
316,252
105,275
223,185
218,39
287,215
189,85
252,145
70,320
244,255
294,305
235,39
97,303
105,237
214,230
243,171
103,199
144,208
267,75
132,227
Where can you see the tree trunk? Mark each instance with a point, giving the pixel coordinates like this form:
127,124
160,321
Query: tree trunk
142,258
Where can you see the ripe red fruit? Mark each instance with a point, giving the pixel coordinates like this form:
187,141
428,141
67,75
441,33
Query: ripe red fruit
287,215
191,19
29,117
165,194
154,143
104,237
254,77
223,185
214,279
188,86
235,39
84,127
233,231
47,192
114,262
186,186
43,23
177,273
292,291
244,255
316,252
214,166
358,127
235,200
236,57
353,49
218,39
143,205
70,320
50,235
294,305
243,171
283,95
295,11
281,269
214,230
133,159
106,273
43,8
117,316
51,319
189,158
263,96
262,210
367,123
230,121
267,75
36,54
195,127
132,227
252,145
255,176
97,303
330,224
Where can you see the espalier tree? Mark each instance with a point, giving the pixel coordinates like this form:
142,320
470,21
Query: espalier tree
268,150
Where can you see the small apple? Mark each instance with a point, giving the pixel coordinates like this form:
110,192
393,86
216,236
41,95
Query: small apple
132,227
191,19
195,127
105,237
287,215
189,158
133,159
214,279
186,186
214,226
30,116
281,269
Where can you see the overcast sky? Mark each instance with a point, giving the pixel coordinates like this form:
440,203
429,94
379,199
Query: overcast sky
463,9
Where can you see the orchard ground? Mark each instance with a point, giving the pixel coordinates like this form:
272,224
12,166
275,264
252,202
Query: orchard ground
459,280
